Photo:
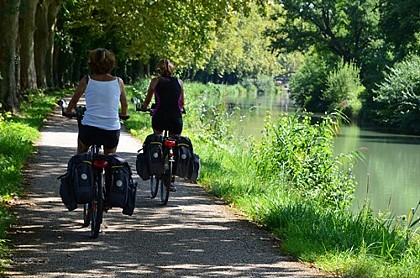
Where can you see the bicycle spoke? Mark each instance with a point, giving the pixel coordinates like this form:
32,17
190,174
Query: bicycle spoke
97,206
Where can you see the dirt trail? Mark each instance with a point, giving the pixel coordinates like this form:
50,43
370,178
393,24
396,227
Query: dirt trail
195,235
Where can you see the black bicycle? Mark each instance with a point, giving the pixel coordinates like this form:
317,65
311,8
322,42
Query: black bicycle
162,183
93,210
166,180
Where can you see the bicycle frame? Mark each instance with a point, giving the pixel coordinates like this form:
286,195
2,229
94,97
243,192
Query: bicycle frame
168,176
93,211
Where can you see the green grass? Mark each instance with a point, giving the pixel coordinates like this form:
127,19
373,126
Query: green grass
359,245
302,195
318,230
17,136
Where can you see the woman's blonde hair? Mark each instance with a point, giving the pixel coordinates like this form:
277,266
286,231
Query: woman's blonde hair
165,67
101,61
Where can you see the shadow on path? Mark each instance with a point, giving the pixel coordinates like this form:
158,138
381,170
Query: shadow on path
195,235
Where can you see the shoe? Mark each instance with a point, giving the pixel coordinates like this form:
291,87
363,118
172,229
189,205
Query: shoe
172,188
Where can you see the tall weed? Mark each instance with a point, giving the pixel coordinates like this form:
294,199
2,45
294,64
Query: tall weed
301,152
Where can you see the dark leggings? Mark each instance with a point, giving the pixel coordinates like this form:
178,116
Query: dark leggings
173,124
90,135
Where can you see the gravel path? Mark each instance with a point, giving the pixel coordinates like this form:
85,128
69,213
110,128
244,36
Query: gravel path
195,235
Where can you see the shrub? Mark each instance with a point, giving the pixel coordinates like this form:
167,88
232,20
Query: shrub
301,154
399,94
308,84
344,88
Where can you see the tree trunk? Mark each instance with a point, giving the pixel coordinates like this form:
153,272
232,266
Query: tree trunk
9,19
41,42
53,8
26,35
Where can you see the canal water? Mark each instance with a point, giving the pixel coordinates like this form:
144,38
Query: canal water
389,175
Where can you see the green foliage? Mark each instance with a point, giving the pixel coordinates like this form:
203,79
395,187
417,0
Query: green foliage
266,85
399,94
400,24
242,50
318,88
343,89
15,145
17,135
371,34
341,27
308,84
300,153
142,29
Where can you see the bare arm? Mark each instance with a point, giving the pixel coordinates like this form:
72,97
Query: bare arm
182,93
123,98
76,96
150,92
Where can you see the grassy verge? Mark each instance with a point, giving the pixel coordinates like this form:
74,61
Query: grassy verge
291,183
17,135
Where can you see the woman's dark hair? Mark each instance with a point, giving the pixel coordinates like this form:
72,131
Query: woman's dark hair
101,61
165,67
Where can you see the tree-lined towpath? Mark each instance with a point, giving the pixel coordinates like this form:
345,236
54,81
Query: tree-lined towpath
195,235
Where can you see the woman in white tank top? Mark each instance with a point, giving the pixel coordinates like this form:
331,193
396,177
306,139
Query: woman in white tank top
104,95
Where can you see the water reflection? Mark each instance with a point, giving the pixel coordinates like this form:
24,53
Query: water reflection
389,176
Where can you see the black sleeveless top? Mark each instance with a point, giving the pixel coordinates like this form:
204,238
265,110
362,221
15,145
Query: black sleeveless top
168,97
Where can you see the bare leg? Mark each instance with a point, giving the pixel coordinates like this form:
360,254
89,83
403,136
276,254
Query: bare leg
81,148
108,151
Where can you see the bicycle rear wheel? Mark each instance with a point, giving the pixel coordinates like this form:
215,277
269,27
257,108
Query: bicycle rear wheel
165,185
97,206
154,185
86,215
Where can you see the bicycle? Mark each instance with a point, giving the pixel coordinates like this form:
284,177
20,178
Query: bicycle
93,210
167,178
162,183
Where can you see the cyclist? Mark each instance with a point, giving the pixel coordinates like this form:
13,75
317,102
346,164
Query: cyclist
168,92
103,94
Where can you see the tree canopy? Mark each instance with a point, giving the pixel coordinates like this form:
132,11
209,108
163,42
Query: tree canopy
46,42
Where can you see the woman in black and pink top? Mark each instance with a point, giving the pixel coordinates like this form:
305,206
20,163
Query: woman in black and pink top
169,98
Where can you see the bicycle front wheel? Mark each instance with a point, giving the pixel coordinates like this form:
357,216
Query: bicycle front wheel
97,206
154,185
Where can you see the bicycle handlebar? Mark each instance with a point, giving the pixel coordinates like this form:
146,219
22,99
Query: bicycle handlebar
79,111
139,106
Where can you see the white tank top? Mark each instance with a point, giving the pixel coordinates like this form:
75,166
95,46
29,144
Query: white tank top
102,103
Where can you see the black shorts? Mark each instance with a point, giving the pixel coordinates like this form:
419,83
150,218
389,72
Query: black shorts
93,135
173,124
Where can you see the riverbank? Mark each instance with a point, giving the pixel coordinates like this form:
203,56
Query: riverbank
332,237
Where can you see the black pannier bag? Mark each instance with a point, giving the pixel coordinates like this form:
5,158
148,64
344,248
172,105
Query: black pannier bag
128,209
141,166
183,156
81,177
194,172
187,162
66,192
122,189
77,184
152,149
